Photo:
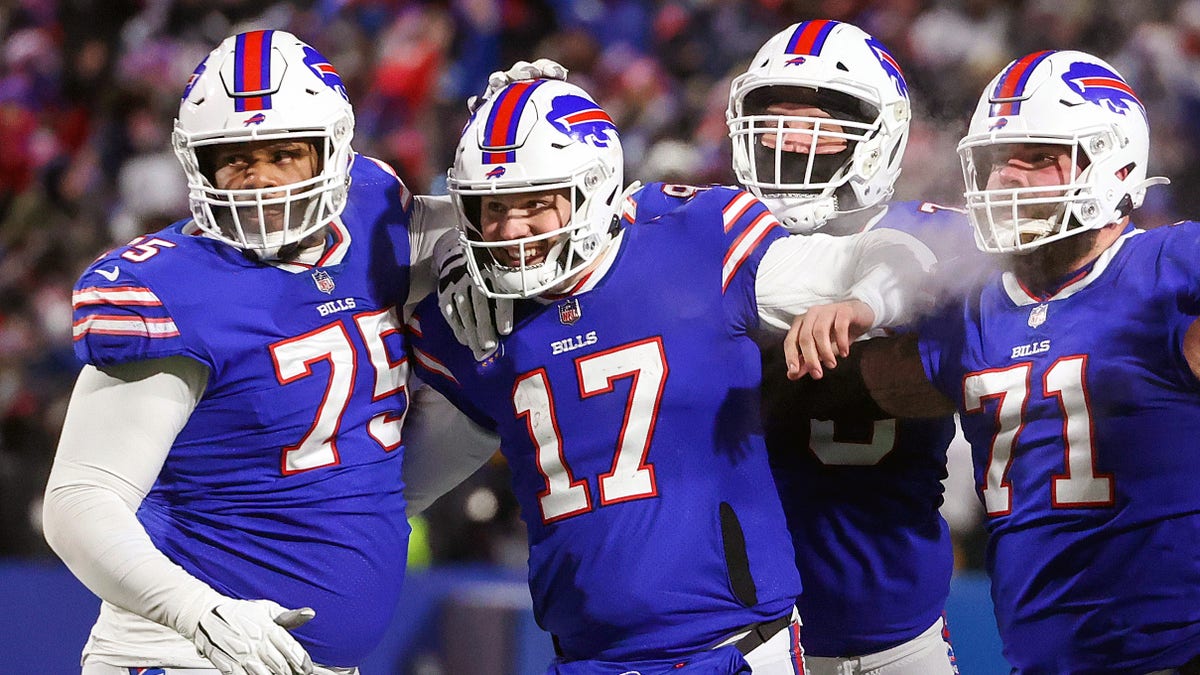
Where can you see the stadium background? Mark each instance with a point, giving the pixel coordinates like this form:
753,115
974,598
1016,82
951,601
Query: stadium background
89,88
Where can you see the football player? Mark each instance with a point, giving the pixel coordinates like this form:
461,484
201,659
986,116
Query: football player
626,393
1074,372
819,122
228,479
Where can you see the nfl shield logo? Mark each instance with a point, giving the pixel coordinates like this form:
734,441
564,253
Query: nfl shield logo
324,281
1037,316
568,311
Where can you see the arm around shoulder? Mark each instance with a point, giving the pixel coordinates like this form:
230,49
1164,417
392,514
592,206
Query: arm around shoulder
1191,347
893,373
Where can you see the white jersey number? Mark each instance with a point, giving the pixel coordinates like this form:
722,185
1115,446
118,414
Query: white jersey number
1079,485
830,447
331,343
631,476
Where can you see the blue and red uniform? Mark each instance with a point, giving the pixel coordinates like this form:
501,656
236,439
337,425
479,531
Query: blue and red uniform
1083,414
628,412
285,482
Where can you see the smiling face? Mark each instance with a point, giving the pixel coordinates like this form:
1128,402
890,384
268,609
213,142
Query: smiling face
519,216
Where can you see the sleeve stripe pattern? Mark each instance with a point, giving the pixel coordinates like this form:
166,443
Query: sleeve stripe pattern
98,323
629,209
428,362
105,324
745,244
121,295
737,208
413,326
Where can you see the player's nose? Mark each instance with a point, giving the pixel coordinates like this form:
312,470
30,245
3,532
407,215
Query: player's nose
260,175
1010,174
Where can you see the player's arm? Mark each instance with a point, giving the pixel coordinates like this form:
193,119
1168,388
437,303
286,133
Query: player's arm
884,373
1191,347
119,427
440,264
431,218
883,270
443,447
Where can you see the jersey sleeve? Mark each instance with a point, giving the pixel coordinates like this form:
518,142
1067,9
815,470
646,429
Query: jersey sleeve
379,196
440,361
431,217
123,319
961,267
941,340
1180,268
885,269
656,199
749,231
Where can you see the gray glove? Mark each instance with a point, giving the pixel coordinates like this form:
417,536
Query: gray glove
476,320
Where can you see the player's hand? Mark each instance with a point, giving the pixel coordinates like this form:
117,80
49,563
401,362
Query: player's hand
822,335
541,69
250,637
476,320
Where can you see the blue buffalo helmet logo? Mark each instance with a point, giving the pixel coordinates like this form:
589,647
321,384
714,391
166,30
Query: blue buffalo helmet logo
998,124
795,61
495,173
258,118
1101,86
889,65
582,120
195,77
324,70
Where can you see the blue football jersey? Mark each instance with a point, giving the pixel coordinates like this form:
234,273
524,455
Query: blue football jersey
862,496
285,482
1083,416
628,412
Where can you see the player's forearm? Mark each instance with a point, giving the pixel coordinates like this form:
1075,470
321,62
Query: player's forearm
891,276
893,374
101,541
443,447
883,269
118,429
432,217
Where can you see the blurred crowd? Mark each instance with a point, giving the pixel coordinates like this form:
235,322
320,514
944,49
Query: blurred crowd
89,90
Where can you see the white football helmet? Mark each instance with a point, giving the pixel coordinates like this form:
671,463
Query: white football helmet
850,75
257,86
1056,98
536,136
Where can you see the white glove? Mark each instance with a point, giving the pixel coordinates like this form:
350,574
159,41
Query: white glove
248,637
476,320
542,69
